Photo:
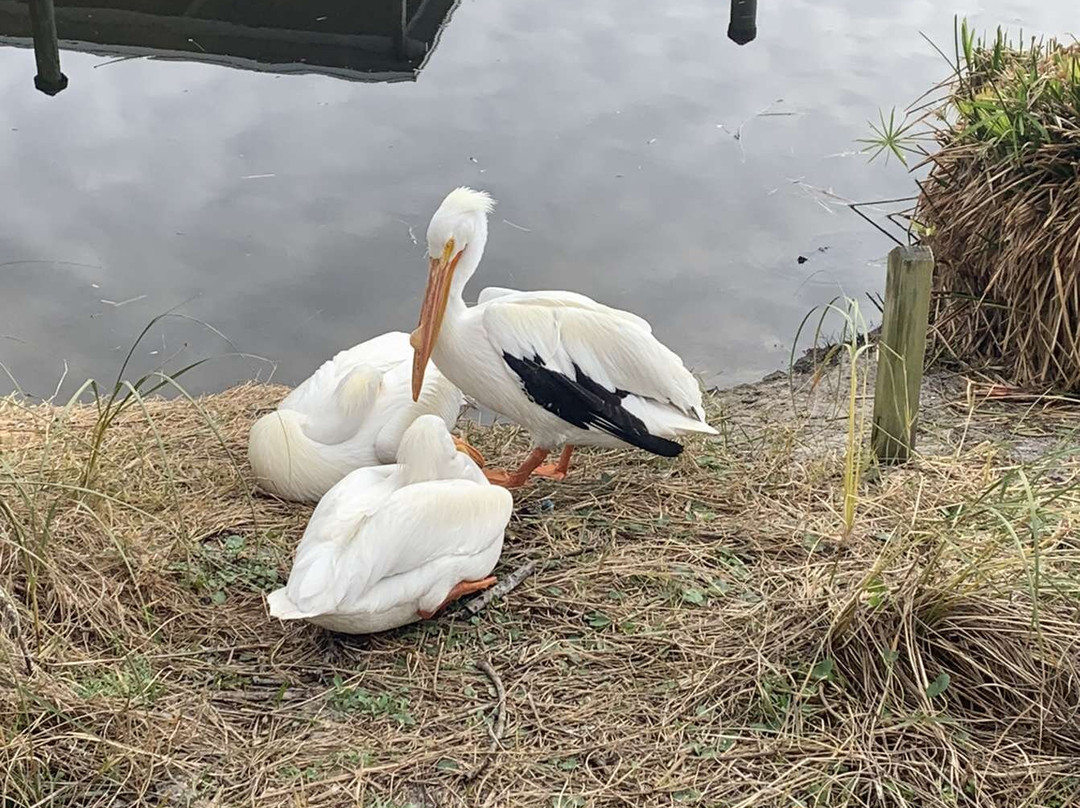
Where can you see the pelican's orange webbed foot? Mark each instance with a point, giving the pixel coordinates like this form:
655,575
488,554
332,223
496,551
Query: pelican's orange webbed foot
550,471
518,478
506,479
556,471
460,590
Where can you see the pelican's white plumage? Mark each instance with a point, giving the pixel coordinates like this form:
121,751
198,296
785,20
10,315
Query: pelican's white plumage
570,370
349,414
559,298
388,543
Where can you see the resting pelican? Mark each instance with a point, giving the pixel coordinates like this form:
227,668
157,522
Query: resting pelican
349,414
392,544
570,370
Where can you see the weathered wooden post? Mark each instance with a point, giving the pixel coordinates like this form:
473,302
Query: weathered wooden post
49,79
742,24
901,352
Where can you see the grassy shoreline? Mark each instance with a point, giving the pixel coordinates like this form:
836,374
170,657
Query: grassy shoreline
698,632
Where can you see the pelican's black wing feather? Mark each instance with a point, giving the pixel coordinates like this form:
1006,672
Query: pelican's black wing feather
585,404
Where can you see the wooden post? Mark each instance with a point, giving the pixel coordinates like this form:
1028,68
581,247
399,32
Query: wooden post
901,352
742,24
49,79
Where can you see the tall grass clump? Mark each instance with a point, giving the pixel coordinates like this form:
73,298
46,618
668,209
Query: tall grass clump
1000,206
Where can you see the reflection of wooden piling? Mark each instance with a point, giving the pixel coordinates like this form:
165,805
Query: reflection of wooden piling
901,351
400,30
742,27
49,79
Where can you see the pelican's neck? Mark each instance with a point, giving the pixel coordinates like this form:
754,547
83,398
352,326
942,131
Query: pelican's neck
466,268
424,452
418,471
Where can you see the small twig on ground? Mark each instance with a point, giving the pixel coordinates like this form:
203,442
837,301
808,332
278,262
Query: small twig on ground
506,585
496,731
9,621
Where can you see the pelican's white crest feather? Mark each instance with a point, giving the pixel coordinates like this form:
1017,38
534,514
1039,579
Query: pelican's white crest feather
466,200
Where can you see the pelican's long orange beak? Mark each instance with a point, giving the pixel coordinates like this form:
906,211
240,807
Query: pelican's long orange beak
471,451
431,313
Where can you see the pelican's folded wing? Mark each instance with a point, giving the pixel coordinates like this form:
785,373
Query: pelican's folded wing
359,536
422,523
338,397
318,580
597,369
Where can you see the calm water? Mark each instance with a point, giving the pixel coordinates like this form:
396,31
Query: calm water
281,209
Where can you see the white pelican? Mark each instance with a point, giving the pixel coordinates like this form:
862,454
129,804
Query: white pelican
570,370
392,544
349,414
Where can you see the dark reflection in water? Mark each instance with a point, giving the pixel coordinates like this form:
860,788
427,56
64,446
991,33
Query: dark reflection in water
638,156
743,25
42,17
374,40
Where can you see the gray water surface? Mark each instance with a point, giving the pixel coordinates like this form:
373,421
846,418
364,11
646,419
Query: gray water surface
288,211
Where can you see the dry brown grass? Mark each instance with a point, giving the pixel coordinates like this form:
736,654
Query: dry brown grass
696,634
1007,281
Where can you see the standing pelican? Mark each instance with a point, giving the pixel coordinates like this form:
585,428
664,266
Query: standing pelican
570,370
349,414
392,544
